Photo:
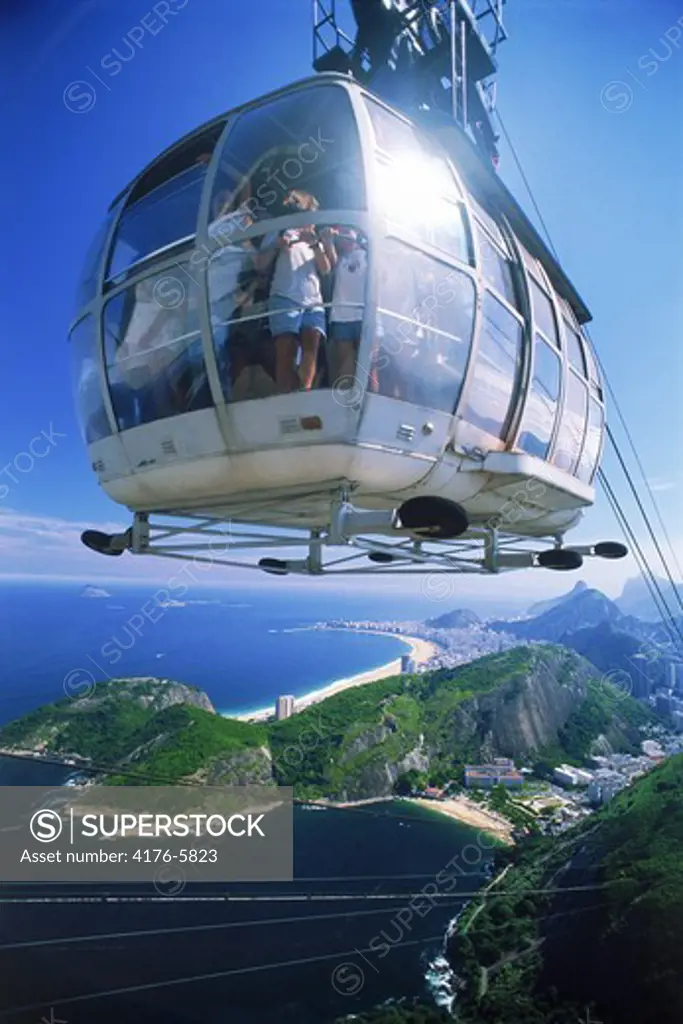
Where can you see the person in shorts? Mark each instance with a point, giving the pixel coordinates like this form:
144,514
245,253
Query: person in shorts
348,299
295,305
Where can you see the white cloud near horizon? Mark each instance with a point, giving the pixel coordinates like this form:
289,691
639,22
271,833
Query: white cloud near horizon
659,484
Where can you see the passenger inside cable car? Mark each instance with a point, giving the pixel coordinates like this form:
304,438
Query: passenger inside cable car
287,287
297,260
270,294
347,303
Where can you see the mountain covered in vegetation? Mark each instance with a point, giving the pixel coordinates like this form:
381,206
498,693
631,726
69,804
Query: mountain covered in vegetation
577,610
592,920
636,598
637,666
154,730
459,618
540,607
527,703
587,926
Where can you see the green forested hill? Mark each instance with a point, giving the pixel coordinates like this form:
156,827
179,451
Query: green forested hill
584,926
527,703
161,731
615,945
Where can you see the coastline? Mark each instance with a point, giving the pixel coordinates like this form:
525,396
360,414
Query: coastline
420,651
470,813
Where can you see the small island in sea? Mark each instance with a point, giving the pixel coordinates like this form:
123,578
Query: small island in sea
91,591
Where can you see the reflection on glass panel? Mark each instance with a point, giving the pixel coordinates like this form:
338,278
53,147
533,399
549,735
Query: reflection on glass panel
392,133
530,263
495,268
410,195
591,448
567,311
163,216
539,414
421,209
497,367
544,316
153,351
489,223
572,426
410,150
287,310
87,285
300,152
593,371
425,322
85,378
574,349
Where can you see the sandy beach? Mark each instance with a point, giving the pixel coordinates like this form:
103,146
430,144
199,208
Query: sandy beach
471,813
419,650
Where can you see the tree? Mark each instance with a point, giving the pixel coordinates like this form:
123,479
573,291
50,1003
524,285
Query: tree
409,782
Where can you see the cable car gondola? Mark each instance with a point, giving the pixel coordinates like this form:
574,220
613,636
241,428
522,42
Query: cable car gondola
319,322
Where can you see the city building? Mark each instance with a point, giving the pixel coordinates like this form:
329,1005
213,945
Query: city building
407,663
663,704
485,776
565,775
284,707
641,685
674,676
604,786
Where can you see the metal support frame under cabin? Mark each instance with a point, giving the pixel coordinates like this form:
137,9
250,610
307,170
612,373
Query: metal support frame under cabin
374,535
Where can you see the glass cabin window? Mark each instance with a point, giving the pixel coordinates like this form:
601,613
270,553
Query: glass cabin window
86,382
544,314
166,215
538,420
575,349
593,371
424,333
163,205
573,425
488,223
298,152
496,268
87,287
153,351
568,312
408,147
416,188
428,216
496,371
591,449
265,291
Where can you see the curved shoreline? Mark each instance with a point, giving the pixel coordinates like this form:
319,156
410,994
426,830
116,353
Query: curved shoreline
469,812
420,650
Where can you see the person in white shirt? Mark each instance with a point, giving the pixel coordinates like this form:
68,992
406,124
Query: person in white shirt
348,300
297,315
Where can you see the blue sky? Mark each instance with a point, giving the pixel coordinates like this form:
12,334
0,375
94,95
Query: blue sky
590,92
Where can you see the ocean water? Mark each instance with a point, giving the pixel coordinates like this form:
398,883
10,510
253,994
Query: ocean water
299,954
352,930
243,647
